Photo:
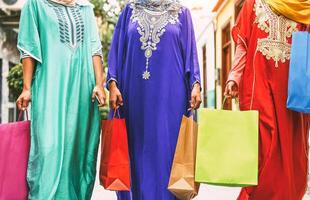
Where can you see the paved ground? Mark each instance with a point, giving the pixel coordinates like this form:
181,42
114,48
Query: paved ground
205,193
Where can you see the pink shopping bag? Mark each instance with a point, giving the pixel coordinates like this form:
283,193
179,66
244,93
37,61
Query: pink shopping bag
14,152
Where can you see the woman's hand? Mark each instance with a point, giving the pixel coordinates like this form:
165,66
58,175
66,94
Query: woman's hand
196,97
99,93
116,99
24,100
231,89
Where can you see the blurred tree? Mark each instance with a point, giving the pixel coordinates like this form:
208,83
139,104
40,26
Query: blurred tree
15,81
107,13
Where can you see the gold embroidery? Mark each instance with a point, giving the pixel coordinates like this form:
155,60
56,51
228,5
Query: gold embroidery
275,46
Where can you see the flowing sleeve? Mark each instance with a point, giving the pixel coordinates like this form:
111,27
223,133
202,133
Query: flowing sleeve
96,46
29,38
118,46
189,48
243,27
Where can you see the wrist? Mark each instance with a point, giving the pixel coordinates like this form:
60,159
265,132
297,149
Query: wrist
99,83
112,85
99,86
26,88
197,85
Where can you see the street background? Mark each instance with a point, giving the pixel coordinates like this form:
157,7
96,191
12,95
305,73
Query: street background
213,20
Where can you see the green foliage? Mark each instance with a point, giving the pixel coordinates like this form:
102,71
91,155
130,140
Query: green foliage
107,13
15,81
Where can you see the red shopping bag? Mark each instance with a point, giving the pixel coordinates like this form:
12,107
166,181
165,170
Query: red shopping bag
114,165
14,153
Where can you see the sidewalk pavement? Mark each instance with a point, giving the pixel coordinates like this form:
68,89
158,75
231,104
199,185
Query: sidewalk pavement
206,192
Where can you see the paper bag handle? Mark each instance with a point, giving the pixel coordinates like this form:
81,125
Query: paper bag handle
225,99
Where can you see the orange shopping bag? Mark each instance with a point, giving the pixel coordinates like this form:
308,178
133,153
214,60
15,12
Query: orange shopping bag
114,165
182,179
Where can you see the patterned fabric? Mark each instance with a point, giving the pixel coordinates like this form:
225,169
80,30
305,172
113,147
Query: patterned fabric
65,2
151,26
279,28
24,55
71,25
98,53
160,5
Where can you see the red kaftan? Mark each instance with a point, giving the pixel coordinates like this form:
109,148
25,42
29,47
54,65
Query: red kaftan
263,87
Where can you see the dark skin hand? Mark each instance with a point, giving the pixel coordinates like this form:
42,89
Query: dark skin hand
116,99
28,67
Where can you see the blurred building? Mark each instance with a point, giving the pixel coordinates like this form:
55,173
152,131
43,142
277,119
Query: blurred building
227,12
204,30
216,49
9,56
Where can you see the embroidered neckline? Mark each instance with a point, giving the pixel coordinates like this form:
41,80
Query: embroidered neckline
151,25
71,25
161,5
279,28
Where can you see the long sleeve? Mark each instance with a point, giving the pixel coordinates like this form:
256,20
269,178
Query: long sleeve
239,63
243,28
189,48
29,38
118,46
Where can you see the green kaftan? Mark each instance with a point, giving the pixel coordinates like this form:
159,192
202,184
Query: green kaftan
65,123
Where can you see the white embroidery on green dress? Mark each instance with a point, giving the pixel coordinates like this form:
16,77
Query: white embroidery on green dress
276,45
151,26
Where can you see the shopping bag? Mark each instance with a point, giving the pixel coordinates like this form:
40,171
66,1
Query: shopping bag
114,165
182,179
227,148
14,154
299,74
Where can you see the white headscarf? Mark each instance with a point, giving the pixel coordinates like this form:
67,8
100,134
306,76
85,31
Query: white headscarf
158,5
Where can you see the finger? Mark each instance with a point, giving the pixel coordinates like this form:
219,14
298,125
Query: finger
19,104
102,100
226,91
113,103
198,102
229,90
193,102
119,100
93,97
25,104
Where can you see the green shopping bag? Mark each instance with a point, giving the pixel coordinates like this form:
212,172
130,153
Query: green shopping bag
227,148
